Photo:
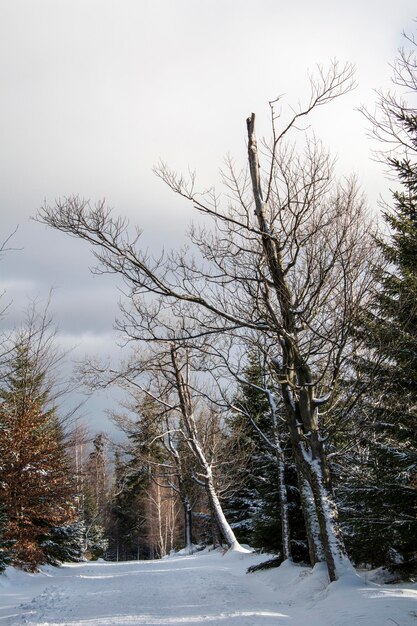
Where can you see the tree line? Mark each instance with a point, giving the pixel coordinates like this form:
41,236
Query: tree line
271,387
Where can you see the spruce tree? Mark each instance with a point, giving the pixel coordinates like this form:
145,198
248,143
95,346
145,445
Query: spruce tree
36,490
64,543
255,510
125,541
388,480
6,545
132,519
96,500
383,488
251,518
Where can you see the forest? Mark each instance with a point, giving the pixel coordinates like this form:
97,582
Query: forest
270,376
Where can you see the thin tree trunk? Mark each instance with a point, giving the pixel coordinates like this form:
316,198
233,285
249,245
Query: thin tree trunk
193,440
214,526
282,486
222,523
283,505
187,524
185,500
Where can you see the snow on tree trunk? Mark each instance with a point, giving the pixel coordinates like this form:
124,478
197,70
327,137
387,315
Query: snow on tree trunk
282,487
298,390
222,523
327,514
186,405
283,505
315,546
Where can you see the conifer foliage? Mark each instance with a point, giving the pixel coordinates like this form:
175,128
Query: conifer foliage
255,510
392,328
36,490
5,544
386,509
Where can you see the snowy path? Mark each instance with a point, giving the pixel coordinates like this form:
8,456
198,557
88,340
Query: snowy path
206,588
183,590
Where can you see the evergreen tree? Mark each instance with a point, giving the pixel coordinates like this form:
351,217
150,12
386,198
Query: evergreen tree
96,541
96,500
384,485
384,525
6,545
255,508
36,490
247,504
126,523
64,543
132,516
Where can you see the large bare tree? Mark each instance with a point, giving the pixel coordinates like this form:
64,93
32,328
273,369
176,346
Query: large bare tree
286,258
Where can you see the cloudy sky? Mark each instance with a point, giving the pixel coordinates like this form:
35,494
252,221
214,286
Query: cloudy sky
95,92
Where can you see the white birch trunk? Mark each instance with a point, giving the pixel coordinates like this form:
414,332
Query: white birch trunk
283,504
194,442
222,523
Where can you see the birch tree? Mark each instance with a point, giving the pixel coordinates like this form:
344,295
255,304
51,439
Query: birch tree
206,464
186,426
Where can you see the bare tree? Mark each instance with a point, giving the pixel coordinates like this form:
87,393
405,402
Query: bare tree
287,259
180,368
392,123
3,249
187,423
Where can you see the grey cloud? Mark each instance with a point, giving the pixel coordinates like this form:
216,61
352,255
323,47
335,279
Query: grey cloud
95,92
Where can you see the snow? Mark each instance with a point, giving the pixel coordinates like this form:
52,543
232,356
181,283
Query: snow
207,587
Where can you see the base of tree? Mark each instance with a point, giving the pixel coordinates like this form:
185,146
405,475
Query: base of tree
275,562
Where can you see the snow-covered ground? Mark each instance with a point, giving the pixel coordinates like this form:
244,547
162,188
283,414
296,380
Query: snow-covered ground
204,588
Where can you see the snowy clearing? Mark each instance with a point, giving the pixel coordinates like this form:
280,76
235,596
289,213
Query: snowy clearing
204,588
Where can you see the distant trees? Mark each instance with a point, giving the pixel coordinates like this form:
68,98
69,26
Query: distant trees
144,510
95,499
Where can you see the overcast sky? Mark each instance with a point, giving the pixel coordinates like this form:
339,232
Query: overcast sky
95,92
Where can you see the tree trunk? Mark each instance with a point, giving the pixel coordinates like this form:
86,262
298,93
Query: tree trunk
187,524
283,503
214,527
193,440
297,390
282,486
315,545
222,523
